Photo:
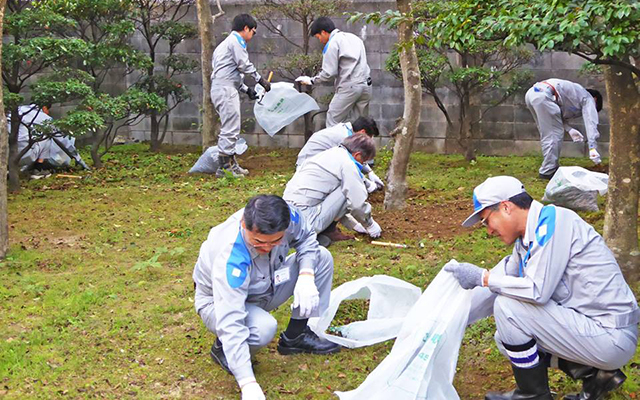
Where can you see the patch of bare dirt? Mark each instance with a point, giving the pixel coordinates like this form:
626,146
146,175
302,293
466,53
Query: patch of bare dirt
260,161
599,168
473,382
421,221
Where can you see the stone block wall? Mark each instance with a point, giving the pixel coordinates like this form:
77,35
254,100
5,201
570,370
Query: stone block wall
506,129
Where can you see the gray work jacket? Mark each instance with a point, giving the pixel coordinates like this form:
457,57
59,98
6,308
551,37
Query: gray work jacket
229,274
561,258
574,102
344,57
323,173
230,63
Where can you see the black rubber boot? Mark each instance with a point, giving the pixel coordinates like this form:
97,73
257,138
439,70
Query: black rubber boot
531,384
595,382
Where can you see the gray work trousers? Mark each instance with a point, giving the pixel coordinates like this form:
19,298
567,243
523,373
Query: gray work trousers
262,326
332,208
548,116
353,98
226,101
560,331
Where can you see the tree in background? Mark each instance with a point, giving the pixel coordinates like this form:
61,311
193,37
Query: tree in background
37,53
4,153
407,128
605,33
159,22
301,61
210,123
453,54
105,26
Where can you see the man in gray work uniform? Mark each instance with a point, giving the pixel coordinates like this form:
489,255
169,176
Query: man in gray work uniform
332,137
331,184
343,57
230,63
244,270
554,101
559,300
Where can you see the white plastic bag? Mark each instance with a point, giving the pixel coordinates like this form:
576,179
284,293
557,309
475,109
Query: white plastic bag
390,301
576,188
282,105
422,362
208,161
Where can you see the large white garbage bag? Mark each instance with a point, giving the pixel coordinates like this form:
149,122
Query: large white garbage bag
576,188
390,301
282,105
422,362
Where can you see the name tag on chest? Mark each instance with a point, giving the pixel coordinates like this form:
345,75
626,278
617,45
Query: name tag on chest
281,276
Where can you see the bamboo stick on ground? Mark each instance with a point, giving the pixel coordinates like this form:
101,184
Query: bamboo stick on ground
389,244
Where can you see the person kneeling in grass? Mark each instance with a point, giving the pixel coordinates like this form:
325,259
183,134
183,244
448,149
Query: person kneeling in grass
559,299
244,271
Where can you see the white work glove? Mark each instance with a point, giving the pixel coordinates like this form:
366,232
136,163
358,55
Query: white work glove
305,80
576,136
252,391
594,156
374,229
371,186
305,294
376,180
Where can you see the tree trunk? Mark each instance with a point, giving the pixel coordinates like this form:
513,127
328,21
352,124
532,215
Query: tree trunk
14,160
396,178
466,135
621,214
154,135
95,149
210,121
4,150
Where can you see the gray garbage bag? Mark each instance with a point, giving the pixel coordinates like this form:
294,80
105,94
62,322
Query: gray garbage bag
208,161
576,188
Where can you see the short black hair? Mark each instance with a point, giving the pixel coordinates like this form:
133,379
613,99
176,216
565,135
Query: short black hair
321,24
360,143
368,124
242,20
522,200
597,96
267,213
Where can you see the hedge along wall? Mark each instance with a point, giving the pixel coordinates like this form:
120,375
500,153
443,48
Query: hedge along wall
506,129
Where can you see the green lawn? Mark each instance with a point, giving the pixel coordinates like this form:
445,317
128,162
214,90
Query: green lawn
97,297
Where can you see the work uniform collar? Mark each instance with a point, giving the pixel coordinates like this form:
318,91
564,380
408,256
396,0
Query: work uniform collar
349,128
326,46
532,223
252,251
360,166
242,42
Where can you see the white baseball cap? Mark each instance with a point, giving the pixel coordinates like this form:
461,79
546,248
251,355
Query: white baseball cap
492,191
